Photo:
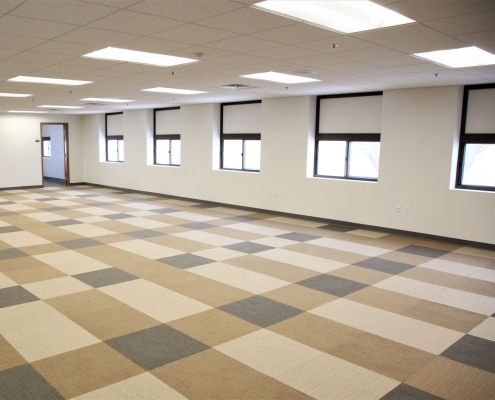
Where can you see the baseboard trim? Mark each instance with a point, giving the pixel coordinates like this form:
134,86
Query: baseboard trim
399,232
50,179
21,187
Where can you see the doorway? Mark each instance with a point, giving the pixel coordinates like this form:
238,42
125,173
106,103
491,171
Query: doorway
55,154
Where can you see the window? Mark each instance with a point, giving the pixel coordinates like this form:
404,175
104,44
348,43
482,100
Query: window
476,161
240,136
166,122
47,146
114,131
347,137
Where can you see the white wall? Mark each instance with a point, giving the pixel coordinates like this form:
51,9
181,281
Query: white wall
53,167
419,133
20,154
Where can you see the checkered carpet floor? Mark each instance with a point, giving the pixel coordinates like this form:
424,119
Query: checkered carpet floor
111,294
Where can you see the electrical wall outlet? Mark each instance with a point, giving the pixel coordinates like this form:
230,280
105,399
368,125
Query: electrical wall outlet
397,208
269,193
406,209
274,193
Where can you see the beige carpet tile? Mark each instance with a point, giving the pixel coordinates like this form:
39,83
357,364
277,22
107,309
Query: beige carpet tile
344,257
10,356
384,299
358,274
299,296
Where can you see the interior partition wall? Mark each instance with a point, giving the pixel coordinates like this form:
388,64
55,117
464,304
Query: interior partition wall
347,139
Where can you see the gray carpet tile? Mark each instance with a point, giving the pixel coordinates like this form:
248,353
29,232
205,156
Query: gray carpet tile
332,285
261,311
65,222
47,199
163,210
7,213
336,228
25,383
50,209
144,234
7,254
184,261
79,243
3,203
105,277
119,216
423,251
298,237
8,229
14,295
379,264
153,347
406,392
248,247
473,351
197,225
242,218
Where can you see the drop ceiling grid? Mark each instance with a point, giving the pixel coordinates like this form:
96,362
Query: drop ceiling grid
37,38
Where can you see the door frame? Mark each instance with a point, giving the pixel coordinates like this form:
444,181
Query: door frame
65,126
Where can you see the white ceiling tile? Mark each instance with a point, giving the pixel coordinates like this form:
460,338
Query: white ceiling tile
69,12
239,59
344,42
66,70
194,34
395,61
243,44
7,5
18,42
284,53
114,3
398,34
22,66
57,47
153,45
35,56
246,20
369,53
90,63
321,59
188,11
134,23
296,33
8,53
96,37
484,40
463,24
421,46
210,54
36,28
347,66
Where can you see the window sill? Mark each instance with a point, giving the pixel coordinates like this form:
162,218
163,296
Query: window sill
334,178
114,162
475,189
165,165
249,171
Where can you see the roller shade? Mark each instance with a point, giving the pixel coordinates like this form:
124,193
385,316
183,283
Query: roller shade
351,115
242,118
480,116
115,125
167,122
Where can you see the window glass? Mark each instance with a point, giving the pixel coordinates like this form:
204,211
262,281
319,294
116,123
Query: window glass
232,154
252,153
47,151
331,158
162,151
479,165
175,152
112,150
120,147
363,159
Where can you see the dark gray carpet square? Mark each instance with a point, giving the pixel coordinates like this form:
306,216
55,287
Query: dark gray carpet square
65,222
105,277
205,205
119,216
79,243
7,254
197,225
473,351
248,247
379,264
298,237
163,210
8,229
184,261
332,285
423,251
7,213
47,199
406,392
261,311
242,218
99,204
144,234
15,295
24,382
336,228
151,348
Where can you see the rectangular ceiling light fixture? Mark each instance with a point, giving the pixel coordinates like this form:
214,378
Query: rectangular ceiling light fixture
459,58
279,78
107,100
138,57
173,91
341,16
68,107
14,95
50,81
27,112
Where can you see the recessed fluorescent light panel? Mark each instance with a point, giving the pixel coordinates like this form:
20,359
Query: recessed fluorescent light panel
68,107
279,78
339,16
50,81
27,112
459,58
173,91
107,100
14,95
138,57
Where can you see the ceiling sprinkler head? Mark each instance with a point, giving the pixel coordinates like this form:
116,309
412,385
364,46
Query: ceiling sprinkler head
199,55
334,46
172,73
436,75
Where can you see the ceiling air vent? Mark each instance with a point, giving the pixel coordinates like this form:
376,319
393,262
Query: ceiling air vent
237,86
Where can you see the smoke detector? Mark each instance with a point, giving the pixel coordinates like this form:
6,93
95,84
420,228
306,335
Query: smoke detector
236,86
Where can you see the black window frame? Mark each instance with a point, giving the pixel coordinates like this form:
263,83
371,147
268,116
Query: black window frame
236,136
341,137
43,140
113,137
163,137
471,138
